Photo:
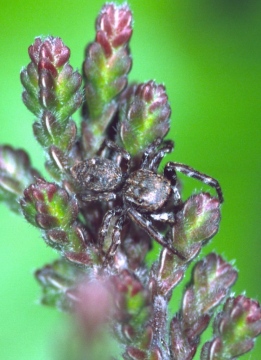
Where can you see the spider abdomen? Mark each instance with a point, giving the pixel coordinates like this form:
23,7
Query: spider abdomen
97,174
147,190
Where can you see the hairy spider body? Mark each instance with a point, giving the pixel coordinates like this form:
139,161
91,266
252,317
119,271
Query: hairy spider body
98,174
143,192
146,190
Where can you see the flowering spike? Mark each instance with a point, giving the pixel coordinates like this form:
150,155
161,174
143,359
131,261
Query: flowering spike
106,67
212,279
52,92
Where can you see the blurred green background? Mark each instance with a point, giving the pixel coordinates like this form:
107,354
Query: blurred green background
207,53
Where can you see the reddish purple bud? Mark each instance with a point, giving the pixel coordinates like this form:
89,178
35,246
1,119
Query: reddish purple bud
210,284
41,208
49,50
114,27
33,50
49,81
48,206
234,329
103,41
45,51
244,313
46,81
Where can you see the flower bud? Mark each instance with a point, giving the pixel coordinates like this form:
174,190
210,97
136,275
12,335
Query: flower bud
211,282
196,223
52,92
145,116
48,206
49,81
234,329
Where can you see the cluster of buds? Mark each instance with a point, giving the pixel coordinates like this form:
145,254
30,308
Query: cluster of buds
102,275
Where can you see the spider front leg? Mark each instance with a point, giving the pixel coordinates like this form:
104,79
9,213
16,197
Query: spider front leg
153,155
170,174
122,153
165,217
171,168
147,226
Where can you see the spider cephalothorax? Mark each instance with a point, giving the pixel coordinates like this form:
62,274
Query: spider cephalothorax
143,192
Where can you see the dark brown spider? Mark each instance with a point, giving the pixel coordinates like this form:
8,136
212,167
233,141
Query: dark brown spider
144,192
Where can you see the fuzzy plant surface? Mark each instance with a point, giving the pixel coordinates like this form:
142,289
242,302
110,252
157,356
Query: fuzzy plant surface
106,201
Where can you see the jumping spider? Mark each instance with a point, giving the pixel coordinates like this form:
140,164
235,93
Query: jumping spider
144,192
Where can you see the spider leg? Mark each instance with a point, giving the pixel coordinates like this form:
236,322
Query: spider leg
147,226
123,153
189,171
165,217
166,148
151,149
105,196
153,156
171,175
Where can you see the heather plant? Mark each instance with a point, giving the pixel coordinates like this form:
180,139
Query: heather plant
106,201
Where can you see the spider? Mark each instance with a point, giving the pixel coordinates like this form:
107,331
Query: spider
144,192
